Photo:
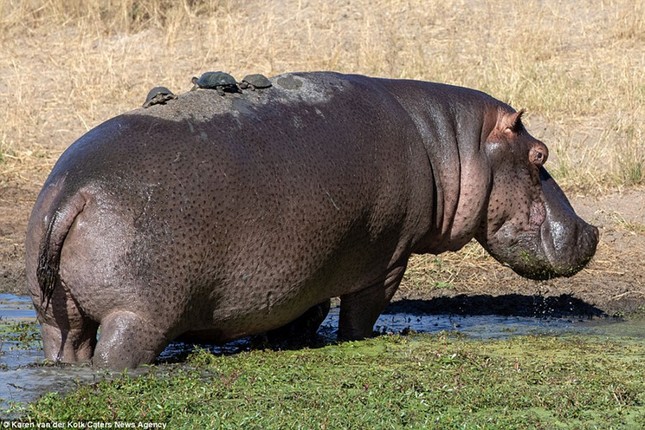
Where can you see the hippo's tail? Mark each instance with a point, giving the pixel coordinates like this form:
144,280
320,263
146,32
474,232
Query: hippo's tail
48,267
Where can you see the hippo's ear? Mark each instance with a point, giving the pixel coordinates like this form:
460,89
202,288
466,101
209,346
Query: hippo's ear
507,126
512,122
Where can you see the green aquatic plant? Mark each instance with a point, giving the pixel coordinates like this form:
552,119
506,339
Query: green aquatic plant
418,381
22,334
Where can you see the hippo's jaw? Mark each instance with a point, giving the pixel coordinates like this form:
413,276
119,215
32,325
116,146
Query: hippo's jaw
558,243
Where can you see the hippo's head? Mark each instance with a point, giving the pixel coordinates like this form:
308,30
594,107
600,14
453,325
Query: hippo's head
530,225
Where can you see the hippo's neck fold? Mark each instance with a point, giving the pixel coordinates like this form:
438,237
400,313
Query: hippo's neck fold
451,123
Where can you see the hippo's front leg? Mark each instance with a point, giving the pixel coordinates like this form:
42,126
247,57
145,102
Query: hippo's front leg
360,310
127,340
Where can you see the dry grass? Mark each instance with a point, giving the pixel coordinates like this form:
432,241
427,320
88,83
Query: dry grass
66,66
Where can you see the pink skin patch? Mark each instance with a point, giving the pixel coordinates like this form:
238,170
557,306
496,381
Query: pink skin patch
537,215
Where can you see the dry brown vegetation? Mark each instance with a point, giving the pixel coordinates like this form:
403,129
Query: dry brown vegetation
578,67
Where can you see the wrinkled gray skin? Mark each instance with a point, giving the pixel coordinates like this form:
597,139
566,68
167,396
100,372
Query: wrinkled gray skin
215,218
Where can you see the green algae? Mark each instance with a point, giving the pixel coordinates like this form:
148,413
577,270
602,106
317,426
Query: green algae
419,381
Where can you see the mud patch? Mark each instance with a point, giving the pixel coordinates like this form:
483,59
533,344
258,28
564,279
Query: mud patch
532,306
289,82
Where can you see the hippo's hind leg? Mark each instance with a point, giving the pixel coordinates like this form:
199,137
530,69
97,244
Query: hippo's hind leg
68,335
127,340
360,310
68,345
303,329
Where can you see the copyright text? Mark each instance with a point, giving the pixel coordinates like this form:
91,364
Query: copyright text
82,425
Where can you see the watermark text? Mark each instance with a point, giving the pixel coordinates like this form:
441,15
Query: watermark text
82,425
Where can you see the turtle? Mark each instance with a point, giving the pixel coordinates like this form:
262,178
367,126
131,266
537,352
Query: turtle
255,81
158,96
219,81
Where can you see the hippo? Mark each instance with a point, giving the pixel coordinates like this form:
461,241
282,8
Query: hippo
214,218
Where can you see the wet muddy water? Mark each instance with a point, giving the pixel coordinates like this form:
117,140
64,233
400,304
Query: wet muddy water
23,378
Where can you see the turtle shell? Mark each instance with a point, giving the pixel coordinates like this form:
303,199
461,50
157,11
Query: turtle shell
158,95
214,80
257,80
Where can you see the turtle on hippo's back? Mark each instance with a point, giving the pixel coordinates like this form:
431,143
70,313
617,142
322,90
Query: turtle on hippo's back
219,81
158,96
255,81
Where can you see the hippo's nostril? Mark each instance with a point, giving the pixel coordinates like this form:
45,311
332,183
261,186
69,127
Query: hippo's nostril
593,236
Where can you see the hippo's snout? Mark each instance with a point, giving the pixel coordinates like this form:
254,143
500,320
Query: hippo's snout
557,249
568,244
567,240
